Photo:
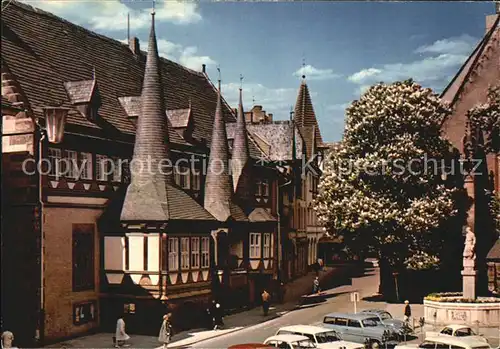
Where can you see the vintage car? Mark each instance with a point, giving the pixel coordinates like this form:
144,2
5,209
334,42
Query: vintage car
449,342
321,336
456,331
250,346
398,326
290,341
360,328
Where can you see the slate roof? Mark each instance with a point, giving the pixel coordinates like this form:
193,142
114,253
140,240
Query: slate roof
152,194
277,136
44,51
452,92
241,153
494,253
80,91
218,184
305,118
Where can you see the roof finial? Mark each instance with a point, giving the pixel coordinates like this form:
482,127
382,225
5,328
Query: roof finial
153,10
497,7
291,113
93,72
253,101
241,82
303,67
219,80
189,102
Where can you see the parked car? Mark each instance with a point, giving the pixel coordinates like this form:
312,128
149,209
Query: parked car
321,336
360,328
290,341
441,342
456,331
250,346
398,326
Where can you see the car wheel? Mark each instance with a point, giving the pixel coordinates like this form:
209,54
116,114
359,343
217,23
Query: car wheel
375,345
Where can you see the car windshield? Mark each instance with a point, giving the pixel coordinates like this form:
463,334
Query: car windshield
306,343
385,316
327,337
371,322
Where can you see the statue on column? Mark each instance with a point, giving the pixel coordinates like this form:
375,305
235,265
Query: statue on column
470,244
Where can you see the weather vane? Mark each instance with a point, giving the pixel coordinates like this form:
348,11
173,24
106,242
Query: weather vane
303,66
153,11
241,81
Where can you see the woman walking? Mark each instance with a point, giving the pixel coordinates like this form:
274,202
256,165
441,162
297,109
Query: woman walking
165,331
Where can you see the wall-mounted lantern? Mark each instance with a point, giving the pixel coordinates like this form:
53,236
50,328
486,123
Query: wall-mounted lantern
55,120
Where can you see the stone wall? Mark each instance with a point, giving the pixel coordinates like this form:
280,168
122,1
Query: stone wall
440,313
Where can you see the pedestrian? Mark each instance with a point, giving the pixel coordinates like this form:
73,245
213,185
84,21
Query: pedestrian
217,315
120,335
407,311
7,339
165,331
316,288
265,301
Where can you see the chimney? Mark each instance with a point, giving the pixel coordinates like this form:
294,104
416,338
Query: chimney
270,117
204,68
134,45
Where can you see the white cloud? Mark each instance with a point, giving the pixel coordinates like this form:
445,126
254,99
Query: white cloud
316,74
190,59
274,100
112,14
364,74
337,107
461,45
444,58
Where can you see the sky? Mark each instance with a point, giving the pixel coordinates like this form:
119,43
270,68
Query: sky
341,47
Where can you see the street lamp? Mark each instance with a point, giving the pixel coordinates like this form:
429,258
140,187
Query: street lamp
55,120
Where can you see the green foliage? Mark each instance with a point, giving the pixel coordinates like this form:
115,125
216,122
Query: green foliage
378,191
494,205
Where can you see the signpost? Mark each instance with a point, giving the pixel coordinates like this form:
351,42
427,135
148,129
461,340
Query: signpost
355,300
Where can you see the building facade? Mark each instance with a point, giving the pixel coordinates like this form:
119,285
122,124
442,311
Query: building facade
468,88
159,197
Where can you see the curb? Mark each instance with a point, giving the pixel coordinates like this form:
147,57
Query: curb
270,318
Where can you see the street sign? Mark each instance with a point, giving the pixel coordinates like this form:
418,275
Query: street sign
355,300
354,297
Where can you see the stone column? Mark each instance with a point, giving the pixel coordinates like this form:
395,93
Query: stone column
469,277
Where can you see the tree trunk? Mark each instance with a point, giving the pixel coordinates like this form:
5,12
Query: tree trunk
387,285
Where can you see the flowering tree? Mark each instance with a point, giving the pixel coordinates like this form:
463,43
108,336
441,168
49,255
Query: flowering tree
383,190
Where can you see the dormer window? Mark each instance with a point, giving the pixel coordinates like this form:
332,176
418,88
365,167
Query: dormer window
84,95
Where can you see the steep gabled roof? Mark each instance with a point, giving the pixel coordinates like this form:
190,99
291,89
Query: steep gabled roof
151,196
452,92
44,51
241,153
218,183
305,118
494,253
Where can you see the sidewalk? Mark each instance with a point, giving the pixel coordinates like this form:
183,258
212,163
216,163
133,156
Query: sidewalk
233,322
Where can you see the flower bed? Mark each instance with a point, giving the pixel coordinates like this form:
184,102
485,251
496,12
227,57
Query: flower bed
456,297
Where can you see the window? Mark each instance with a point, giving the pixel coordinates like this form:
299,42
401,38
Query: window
85,166
71,169
372,322
265,187
448,331
427,345
254,245
117,170
329,320
195,253
173,254
464,332
54,158
341,321
129,308
205,252
83,257
84,313
182,177
196,181
258,188
101,162
267,245
184,253
354,323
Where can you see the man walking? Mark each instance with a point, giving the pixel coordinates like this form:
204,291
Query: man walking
407,312
316,288
265,302
165,331
120,335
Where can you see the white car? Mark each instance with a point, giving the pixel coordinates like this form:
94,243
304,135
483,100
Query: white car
441,342
290,341
321,336
456,331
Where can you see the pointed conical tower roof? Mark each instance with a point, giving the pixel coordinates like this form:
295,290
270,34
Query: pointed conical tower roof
218,184
305,118
241,154
147,197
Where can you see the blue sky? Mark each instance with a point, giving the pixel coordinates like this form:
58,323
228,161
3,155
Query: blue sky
346,46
